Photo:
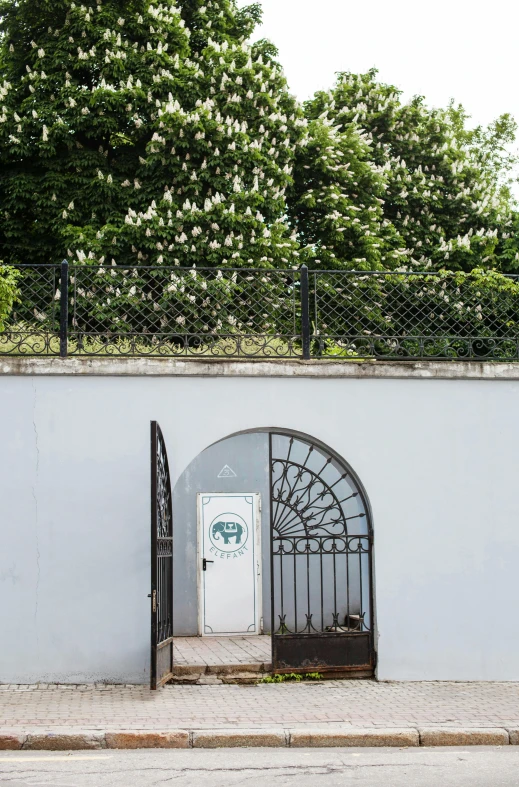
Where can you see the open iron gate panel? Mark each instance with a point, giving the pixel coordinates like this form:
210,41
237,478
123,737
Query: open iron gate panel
161,563
321,555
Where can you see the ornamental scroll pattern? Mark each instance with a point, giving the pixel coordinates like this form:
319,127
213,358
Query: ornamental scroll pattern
310,500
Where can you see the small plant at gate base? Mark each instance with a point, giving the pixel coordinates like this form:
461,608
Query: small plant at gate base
293,677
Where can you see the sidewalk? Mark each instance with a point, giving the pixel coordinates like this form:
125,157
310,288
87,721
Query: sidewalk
279,713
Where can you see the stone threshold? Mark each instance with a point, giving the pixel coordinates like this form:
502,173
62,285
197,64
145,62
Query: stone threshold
244,674
334,735
221,367
216,674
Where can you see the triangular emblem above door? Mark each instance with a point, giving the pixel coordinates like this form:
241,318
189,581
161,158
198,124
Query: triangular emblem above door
227,472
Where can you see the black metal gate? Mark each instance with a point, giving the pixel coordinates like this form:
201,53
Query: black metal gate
321,561
161,563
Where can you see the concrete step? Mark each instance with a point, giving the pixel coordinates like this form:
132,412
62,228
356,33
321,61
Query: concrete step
213,674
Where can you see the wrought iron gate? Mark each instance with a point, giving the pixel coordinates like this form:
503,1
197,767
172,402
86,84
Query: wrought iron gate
322,604
161,563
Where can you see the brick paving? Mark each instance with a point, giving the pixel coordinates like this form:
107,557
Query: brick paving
222,651
353,704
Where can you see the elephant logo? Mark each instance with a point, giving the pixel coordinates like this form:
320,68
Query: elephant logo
228,532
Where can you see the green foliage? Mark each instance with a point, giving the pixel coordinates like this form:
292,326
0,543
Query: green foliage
291,677
152,133
120,138
508,251
336,203
446,188
9,292
220,21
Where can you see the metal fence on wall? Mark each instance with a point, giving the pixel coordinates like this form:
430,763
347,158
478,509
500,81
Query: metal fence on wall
169,311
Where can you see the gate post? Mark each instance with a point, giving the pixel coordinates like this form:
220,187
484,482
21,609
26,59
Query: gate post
63,311
305,313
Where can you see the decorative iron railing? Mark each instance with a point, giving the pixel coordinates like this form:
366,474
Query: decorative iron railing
169,311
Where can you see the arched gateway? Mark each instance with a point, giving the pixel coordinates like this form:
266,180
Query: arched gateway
272,534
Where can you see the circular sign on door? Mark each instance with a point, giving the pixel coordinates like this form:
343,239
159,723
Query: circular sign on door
228,532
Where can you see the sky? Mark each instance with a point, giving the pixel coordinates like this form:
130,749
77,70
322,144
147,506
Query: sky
441,50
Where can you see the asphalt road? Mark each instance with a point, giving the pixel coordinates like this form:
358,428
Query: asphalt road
477,767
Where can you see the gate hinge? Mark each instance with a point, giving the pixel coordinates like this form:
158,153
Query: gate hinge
154,601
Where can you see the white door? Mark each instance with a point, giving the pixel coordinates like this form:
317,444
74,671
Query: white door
229,554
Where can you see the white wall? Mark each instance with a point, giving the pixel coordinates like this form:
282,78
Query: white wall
438,459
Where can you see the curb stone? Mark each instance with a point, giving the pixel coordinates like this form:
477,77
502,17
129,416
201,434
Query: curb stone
11,742
444,736
277,737
218,739
378,737
178,739
49,741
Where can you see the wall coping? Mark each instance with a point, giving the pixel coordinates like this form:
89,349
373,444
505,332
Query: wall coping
175,367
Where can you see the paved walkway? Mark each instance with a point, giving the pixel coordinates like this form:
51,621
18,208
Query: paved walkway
351,704
222,651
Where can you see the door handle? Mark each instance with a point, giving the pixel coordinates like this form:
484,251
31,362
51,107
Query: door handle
204,564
